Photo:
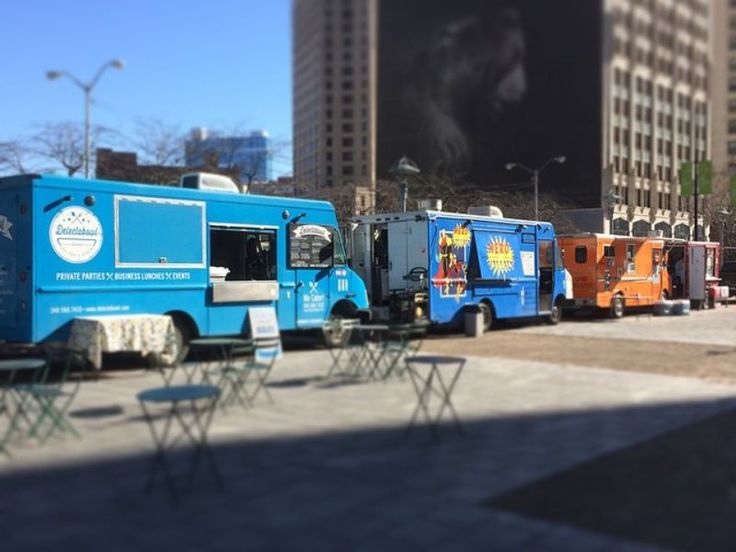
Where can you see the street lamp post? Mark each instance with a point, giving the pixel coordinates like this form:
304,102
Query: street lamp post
724,213
404,168
535,177
87,88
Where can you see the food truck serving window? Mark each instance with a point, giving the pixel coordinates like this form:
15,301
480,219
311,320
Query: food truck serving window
312,246
242,254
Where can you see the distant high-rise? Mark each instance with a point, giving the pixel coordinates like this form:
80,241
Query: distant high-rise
251,153
334,94
463,87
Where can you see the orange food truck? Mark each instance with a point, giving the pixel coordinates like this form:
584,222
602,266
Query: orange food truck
615,272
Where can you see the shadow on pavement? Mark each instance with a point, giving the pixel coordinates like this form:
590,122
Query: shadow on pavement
676,490
376,489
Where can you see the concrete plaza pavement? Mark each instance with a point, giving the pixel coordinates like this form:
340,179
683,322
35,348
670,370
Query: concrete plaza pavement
328,466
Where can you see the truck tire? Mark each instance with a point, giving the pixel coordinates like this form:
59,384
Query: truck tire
180,348
555,315
617,307
487,311
334,339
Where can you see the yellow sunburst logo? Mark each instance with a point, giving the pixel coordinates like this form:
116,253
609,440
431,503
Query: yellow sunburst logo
460,236
500,256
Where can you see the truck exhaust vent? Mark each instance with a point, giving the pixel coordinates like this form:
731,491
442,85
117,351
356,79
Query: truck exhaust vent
486,211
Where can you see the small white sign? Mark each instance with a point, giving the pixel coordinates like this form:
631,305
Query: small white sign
527,263
263,324
76,234
312,230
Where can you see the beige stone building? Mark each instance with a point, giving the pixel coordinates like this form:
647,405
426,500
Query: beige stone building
723,93
656,109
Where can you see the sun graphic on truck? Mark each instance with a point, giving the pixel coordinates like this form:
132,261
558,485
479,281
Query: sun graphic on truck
500,256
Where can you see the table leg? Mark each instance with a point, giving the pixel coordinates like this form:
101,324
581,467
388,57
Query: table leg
446,399
160,454
423,395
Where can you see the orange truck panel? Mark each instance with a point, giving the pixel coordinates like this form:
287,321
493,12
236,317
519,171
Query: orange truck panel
605,266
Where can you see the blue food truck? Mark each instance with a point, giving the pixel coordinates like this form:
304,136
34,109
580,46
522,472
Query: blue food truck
433,265
72,248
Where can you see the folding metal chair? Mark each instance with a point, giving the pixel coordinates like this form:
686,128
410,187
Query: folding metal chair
403,340
350,351
266,351
66,369
15,405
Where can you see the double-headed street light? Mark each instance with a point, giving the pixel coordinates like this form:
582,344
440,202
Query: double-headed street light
87,88
535,174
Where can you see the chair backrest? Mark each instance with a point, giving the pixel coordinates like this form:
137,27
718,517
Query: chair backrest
270,347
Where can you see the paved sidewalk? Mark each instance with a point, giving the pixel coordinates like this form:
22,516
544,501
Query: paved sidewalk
328,467
710,327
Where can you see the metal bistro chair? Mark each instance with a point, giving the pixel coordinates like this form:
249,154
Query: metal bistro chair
14,400
265,352
402,341
348,351
55,395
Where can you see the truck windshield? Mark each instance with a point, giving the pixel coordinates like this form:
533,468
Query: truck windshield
338,256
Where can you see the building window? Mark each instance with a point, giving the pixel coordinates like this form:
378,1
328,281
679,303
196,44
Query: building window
347,142
347,156
581,254
347,170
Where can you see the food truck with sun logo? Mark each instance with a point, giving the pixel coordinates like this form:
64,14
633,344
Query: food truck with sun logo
433,265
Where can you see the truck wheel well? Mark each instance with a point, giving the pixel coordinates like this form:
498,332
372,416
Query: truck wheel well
344,308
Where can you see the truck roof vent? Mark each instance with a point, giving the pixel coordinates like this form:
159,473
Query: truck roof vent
209,181
429,204
485,211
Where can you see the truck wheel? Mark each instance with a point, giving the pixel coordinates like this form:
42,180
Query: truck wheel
555,315
487,316
333,337
179,347
617,307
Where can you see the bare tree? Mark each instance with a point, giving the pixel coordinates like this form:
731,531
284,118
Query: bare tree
63,143
15,158
159,142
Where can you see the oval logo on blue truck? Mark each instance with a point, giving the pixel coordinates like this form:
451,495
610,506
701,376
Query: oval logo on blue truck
76,234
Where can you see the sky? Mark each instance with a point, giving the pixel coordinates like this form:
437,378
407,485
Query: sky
219,64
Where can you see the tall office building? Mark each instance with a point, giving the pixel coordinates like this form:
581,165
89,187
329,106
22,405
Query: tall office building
619,87
334,79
